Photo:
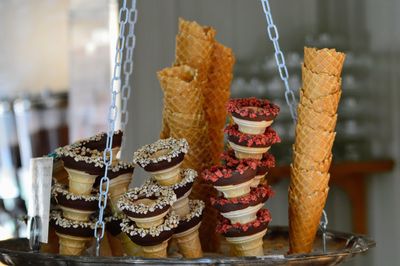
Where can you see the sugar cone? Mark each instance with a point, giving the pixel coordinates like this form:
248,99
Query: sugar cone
319,85
323,121
243,216
216,94
189,243
130,248
156,251
328,104
316,144
116,246
324,61
248,245
194,46
305,212
72,245
305,162
80,183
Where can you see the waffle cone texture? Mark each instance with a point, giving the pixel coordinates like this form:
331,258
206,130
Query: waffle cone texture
312,151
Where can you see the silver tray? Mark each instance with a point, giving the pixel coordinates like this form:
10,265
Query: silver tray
341,247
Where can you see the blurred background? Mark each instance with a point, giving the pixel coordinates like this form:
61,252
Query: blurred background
55,68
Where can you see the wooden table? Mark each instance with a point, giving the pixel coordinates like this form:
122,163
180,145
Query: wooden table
351,177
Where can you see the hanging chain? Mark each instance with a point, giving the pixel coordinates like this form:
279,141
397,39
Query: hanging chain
273,35
290,98
128,69
125,15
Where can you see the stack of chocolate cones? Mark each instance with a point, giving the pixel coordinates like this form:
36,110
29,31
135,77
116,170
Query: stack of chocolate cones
196,90
312,151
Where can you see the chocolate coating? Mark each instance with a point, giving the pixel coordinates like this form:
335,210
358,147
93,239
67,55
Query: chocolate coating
149,240
262,170
237,232
228,207
72,231
88,168
186,225
112,174
114,226
78,204
180,191
164,164
235,139
100,145
156,212
236,178
258,117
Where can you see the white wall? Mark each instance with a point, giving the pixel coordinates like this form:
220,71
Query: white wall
34,45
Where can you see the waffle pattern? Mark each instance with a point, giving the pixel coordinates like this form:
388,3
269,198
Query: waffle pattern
312,151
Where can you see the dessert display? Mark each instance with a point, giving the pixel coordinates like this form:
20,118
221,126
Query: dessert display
73,236
78,199
242,196
160,209
196,89
312,151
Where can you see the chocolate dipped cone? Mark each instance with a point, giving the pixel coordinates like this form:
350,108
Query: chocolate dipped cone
324,61
216,94
72,245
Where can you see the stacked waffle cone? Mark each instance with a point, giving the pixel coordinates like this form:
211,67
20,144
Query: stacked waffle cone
196,89
312,151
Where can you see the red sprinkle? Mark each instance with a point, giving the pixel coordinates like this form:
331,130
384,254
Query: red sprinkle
266,107
268,138
261,191
224,171
263,216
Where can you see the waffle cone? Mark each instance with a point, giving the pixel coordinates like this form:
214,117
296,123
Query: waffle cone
216,94
313,143
308,180
328,104
305,210
194,46
319,85
156,251
72,245
116,247
181,91
209,239
130,248
319,121
189,243
324,61
248,245
305,162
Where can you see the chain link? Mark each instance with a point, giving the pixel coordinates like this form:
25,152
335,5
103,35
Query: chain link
125,16
273,35
290,98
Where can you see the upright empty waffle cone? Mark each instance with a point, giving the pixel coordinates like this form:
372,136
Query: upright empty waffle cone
324,61
319,85
312,152
194,46
216,95
319,121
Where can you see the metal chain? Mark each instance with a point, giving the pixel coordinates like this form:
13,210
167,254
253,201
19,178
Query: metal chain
290,98
130,45
273,35
125,15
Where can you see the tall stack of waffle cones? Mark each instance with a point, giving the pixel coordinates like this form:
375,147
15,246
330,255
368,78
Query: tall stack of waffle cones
196,90
312,151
